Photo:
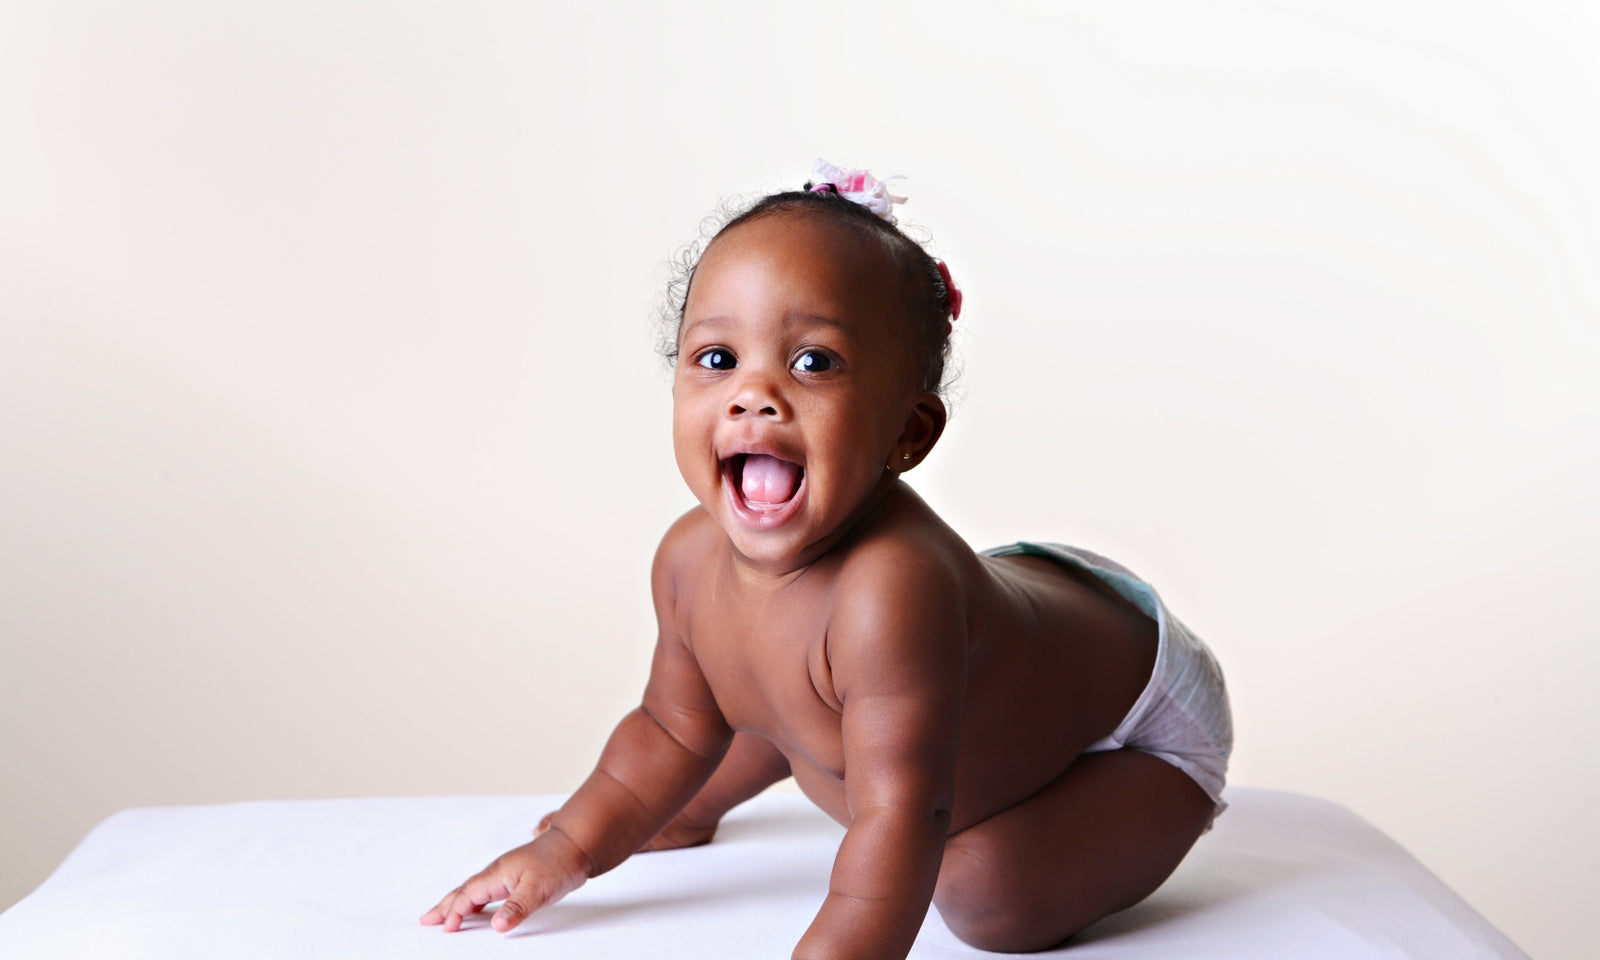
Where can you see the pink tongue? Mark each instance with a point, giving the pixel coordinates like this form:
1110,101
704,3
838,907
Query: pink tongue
768,479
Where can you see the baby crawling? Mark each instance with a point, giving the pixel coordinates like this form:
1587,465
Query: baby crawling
1026,739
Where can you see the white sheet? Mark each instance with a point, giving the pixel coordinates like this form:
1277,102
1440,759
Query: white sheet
1282,875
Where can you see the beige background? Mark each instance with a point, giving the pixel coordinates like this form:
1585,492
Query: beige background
333,450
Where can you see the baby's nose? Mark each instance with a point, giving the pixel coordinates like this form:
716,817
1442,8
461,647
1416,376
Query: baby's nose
755,395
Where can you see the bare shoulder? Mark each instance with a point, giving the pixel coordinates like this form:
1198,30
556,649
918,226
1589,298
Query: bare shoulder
901,567
908,553
898,648
684,547
907,584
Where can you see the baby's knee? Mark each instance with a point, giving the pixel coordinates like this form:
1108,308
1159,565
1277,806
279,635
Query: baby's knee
994,909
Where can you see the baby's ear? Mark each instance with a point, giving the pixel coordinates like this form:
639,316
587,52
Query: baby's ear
924,425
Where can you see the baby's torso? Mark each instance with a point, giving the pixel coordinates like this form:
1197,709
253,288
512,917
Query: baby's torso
1055,659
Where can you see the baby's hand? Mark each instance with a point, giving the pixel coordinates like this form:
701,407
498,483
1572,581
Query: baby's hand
532,876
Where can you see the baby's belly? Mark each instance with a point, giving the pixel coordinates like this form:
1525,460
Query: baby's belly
983,788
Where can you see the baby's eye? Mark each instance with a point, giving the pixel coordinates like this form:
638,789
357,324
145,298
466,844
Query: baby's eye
813,361
715,359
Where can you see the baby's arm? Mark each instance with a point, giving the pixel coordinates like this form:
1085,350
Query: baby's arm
751,765
656,759
898,655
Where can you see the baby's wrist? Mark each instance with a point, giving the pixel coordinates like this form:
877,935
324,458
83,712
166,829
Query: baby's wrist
565,855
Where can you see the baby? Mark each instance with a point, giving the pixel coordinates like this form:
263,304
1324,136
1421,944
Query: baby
1025,738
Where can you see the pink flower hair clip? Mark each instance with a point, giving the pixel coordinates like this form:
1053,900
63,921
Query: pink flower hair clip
857,186
954,293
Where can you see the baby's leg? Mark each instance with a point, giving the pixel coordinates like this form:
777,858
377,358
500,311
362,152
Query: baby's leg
751,765
1100,838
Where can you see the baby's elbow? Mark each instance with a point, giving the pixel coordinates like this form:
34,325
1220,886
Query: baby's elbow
920,817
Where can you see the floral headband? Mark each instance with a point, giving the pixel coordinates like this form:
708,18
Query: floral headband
859,186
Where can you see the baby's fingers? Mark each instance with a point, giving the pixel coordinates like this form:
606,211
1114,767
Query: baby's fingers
527,878
521,901
469,898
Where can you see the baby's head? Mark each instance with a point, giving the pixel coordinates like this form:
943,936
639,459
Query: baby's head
811,343
927,298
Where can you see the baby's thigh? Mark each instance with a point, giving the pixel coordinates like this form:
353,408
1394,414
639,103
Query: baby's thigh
1101,837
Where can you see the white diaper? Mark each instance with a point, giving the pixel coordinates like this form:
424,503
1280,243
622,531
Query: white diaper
1182,715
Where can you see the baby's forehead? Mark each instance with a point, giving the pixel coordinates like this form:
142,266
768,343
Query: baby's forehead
808,271
810,245
827,234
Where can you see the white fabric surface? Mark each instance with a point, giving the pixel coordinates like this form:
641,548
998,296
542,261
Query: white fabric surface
1282,875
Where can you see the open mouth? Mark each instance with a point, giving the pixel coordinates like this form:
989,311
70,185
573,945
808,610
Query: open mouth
762,484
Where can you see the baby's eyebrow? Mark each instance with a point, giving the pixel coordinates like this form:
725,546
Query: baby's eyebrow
719,321
849,333
814,319
716,322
